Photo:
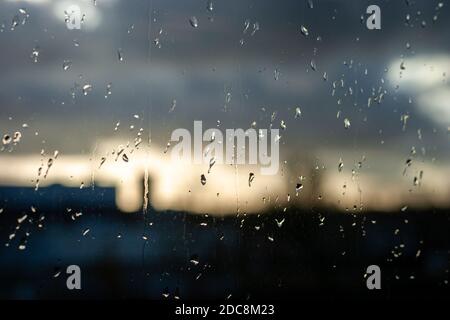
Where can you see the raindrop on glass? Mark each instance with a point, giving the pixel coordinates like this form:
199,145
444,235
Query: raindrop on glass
108,90
86,89
66,65
251,177
35,54
7,139
346,123
304,31
298,112
340,166
209,6
212,161
120,55
193,21
17,136
280,223
194,260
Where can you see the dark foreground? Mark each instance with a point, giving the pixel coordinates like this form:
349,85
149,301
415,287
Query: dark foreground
316,253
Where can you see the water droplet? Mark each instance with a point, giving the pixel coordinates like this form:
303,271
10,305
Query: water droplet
120,55
86,231
408,18
57,272
246,26
167,147
209,6
212,161
66,65
298,112
86,89
203,179
35,54
276,74
404,119
18,19
125,157
193,21
346,123
22,218
14,22
280,223
255,28
304,31
228,97
251,177
23,245
108,90
194,260
340,166
418,253
174,105
7,139
24,15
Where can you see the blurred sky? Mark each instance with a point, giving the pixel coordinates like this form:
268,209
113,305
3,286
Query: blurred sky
265,68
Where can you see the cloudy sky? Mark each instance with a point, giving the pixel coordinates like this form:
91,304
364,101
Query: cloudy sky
243,62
